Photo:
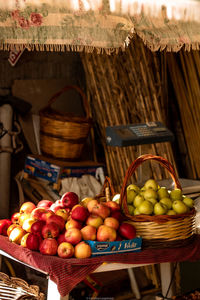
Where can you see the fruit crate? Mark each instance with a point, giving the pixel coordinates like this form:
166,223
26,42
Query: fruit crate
159,231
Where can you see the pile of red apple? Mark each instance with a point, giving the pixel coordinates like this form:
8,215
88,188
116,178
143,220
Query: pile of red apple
62,228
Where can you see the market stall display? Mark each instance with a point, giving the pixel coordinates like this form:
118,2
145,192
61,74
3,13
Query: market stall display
58,237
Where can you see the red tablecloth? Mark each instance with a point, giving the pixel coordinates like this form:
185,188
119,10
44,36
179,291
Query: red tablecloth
67,273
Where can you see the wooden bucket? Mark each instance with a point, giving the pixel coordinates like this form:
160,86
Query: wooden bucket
163,230
63,135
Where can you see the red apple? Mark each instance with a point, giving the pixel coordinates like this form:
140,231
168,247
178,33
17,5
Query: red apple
48,246
127,231
55,206
15,217
23,217
37,226
77,205
46,214
45,203
73,236
117,215
50,230
91,204
89,233
64,213
61,237
27,207
106,234
69,199
79,213
24,239
114,206
65,250
101,210
82,250
16,235
37,212
11,227
111,222
94,220
58,220
33,241
27,224
71,223
4,224
84,201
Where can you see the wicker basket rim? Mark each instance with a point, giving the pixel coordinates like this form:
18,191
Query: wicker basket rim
68,117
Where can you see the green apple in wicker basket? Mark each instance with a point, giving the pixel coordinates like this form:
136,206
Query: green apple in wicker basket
151,199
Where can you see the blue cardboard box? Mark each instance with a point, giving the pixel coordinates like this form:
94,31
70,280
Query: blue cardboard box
52,170
116,247
42,169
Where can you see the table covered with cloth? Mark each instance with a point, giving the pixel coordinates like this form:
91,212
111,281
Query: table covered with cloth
67,273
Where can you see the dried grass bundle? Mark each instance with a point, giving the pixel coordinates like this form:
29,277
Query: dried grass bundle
128,88
184,69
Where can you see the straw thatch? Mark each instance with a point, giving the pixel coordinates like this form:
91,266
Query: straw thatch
184,70
128,88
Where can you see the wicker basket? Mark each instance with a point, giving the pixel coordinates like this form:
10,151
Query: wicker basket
107,191
16,289
163,230
63,135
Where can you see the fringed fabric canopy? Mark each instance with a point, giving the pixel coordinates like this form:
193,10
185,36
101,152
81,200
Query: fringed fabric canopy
104,25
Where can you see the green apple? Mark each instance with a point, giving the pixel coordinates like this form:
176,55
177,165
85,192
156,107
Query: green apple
142,190
162,192
189,202
167,201
138,200
179,207
133,187
146,207
151,184
153,201
176,194
136,212
171,212
131,209
130,196
149,193
160,209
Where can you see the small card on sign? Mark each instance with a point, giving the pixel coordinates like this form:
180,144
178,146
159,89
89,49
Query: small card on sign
14,56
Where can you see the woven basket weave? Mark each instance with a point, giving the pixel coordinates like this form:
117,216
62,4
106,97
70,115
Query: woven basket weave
62,135
16,288
107,191
162,230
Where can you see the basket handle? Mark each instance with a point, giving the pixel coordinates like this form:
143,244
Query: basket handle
65,89
108,187
162,161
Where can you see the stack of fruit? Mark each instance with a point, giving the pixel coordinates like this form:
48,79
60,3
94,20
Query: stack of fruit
62,228
151,199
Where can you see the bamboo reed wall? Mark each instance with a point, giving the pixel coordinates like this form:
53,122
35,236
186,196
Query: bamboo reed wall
184,71
130,87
